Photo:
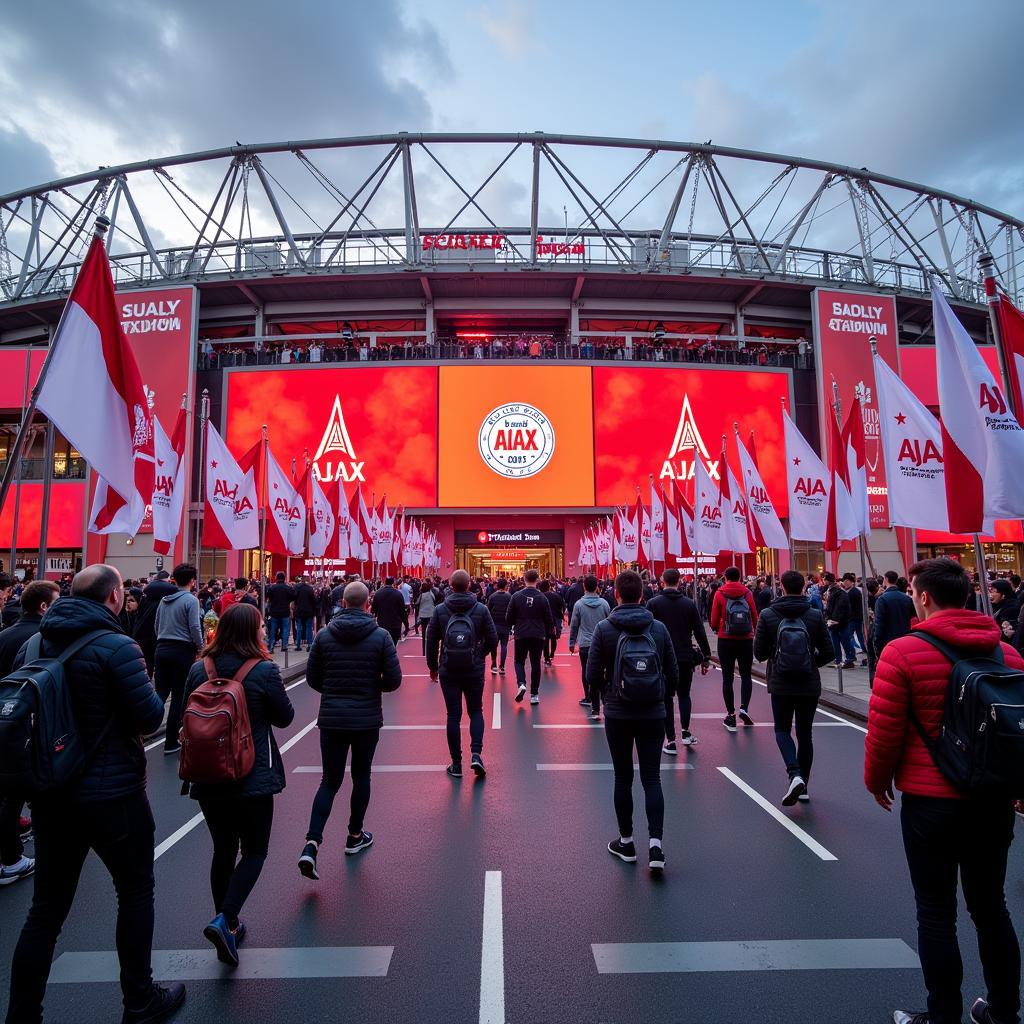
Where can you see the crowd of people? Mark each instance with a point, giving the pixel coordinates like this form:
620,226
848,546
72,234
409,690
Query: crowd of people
124,651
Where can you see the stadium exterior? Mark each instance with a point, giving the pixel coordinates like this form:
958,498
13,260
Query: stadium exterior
635,297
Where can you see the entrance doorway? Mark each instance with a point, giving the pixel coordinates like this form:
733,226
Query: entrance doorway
510,562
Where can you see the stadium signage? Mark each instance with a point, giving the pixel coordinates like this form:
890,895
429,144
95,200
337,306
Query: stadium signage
501,537
559,248
449,241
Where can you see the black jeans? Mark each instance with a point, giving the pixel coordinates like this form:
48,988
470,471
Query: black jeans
395,633
647,736
584,652
172,662
473,691
532,647
550,643
681,690
941,836
11,848
732,654
799,755
422,628
503,644
121,833
334,747
240,822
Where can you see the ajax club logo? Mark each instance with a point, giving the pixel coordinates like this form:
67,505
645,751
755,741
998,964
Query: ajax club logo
335,459
516,440
687,447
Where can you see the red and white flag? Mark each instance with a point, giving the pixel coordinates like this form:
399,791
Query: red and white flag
765,525
383,527
680,540
855,476
841,521
231,519
809,483
982,442
323,523
168,483
628,529
657,524
1011,340
94,395
707,512
735,533
286,512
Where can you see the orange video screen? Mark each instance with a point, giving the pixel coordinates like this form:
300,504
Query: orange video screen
515,436
650,420
374,426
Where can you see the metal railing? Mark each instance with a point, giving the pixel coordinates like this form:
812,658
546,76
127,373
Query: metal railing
63,469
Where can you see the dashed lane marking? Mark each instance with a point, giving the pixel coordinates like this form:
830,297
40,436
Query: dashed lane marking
492,960
496,716
317,770
683,767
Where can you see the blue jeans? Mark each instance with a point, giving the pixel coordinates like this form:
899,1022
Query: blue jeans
304,633
279,630
857,631
842,642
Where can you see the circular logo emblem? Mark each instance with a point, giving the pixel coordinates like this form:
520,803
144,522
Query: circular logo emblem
483,537
516,440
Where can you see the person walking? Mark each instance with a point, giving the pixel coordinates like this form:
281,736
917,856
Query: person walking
144,631
529,616
460,635
792,638
733,617
105,809
497,605
351,663
894,612
405,587
837,618
240,814
179,638
587,612
857,617
280,599
557,603
683,622
306,607
631,657
426,601
946,832
389,609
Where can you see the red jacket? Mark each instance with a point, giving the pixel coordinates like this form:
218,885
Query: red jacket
722,594
911,673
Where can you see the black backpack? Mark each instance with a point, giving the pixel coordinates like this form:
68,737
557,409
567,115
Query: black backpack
458,646
793,658
737,616
980,748
638,678
40,750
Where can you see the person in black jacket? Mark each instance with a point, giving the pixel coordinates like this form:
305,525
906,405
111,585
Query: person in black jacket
573,593
837,618
105,809
628,724
389,608
279,610
351,663
466,682
497,605
529,615
681,618
144,632
240,814
793,680
557,614
894,611
305,606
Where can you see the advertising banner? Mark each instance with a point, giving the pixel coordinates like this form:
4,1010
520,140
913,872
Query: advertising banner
373,426
843,323
661,420
515,437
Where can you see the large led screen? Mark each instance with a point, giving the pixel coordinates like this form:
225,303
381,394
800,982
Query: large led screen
657,421
516,436
374,426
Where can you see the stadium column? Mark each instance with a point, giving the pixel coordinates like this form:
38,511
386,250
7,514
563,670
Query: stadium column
428,325
574,324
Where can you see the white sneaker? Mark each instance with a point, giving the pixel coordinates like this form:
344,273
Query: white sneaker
520,693
494,670
796,787
534,698
11,873
670,748
687,739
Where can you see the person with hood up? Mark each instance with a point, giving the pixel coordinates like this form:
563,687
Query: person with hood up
733,617
351,663
460,635
587,612
179,639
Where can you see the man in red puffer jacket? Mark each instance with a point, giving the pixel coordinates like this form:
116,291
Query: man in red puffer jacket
944,830
735,643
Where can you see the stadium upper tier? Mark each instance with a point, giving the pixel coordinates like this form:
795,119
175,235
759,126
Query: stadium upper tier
500,204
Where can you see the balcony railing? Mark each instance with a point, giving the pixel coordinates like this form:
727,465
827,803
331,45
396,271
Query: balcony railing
63,469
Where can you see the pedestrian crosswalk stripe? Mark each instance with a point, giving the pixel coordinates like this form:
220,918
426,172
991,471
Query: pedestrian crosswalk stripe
311,769
605,767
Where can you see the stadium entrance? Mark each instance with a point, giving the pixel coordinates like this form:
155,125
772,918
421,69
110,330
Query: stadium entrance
509,561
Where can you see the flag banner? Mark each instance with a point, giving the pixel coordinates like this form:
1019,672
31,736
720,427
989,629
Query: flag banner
680,540
323,522
360,527
707,513
344,521
286,512
168,483
643,517
231,520
766,527
628,539
735,532
841,522
809,483
383,533
93,394
982,442
855,476
657,525
1011,340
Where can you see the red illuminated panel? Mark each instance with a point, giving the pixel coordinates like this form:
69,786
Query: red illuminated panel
374,426
12,375
919,373
67,507
654,420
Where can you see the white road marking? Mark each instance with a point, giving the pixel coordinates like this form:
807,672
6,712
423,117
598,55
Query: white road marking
812,844
312,769
842,721
496,717
298,682
570,725
671,767
409,727
492,961
285,747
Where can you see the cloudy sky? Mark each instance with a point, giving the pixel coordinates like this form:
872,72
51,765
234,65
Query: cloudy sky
923,89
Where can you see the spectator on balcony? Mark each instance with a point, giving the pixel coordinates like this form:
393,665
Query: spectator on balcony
364,351
286,354
534,348
206,360
478,351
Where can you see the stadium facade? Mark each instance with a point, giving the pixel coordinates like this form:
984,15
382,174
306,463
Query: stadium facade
380,304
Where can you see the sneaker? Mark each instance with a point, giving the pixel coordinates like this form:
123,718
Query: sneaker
804,797
796,787
360,842
624,851
981,1014
670,748
307,862
595,716
494,670
168,751
687,739
656,859
11,873
520,693
455,769
853,664
745,718
906,1017
730,722
223,939
547,663
477,765
534,698
584,703
240,933
165,999
501,669
25,828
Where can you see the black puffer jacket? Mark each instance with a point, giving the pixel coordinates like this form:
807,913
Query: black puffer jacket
269,707
629,618
791,606
351,663
497,605
108,683
483,626
681,618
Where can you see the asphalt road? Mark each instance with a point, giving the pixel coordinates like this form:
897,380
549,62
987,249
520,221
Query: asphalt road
496,900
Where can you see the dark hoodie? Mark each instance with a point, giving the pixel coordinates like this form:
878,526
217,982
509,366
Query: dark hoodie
634,619
483,626
351,663
793,607
684,625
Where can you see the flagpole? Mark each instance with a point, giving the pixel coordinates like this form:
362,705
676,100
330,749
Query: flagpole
17,486
204,418
988,269
44,525
261,499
